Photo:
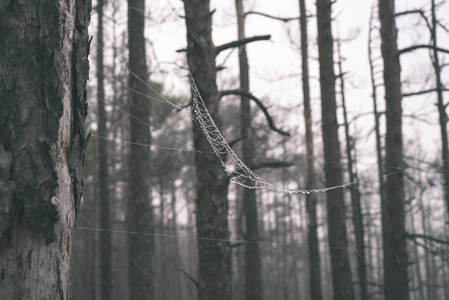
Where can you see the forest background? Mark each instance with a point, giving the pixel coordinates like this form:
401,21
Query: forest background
275,77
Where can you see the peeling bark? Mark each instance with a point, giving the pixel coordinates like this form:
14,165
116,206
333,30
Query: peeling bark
43,74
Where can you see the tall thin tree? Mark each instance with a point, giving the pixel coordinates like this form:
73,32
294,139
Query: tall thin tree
43,71
336,211
441,107
311,199
211,181
139,202
103,172
253,275
393,206
357,217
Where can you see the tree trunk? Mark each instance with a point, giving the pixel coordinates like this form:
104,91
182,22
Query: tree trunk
211,181
441,110
141,248
312,230
103,173
380,168
419,289
253,273
336,219
357,219
393,212
43,71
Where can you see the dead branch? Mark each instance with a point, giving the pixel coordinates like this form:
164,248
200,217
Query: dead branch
285,20
260,105
416,11
193,280
427,237
422,92
415,47
239,43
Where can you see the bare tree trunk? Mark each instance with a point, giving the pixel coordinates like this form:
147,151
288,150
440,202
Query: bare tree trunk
312,231
211,181
393,211
380,168
177,284
441,109
336,211
294,250
141,248
253,273
357,218
43,73
103,173
420,285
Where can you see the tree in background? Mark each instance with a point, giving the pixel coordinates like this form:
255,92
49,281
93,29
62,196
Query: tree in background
441,106
139,202
312,226
211,181
253,268
356,205
103,172
393,211
336,211
43,100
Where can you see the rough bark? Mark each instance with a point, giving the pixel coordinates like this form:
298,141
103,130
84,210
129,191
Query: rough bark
103,173
357,218
312,226
336,219
252,264
211,181
43,74
393,211
141,248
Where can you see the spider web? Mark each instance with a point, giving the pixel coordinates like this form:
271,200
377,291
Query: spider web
234,167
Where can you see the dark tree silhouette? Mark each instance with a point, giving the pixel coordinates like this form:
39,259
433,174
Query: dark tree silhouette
211,181
253,268
393,210
141,248
336,211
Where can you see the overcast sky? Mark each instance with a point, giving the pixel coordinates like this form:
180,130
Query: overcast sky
275,64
